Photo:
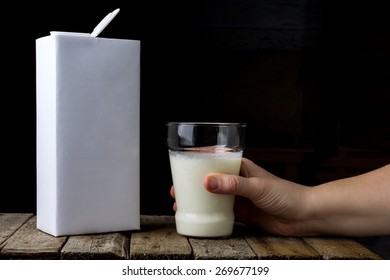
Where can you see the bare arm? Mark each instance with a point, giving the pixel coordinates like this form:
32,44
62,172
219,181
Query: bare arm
355,206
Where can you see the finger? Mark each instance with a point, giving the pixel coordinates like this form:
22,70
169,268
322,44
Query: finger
172,192
231,184
250,169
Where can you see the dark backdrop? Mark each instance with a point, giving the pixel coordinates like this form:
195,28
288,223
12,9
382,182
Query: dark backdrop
298,72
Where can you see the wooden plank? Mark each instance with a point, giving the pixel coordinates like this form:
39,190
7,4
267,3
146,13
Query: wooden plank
234,248
9,223
30,243
149,222
340,249
158,239
273,247
110,246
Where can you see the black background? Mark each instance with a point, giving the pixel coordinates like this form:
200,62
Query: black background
184,73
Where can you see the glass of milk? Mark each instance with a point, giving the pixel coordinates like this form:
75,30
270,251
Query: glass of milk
195,150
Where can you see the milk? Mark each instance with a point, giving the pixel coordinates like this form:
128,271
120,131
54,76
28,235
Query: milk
199,212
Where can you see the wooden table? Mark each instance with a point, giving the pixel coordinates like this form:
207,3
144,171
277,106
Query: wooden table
157,239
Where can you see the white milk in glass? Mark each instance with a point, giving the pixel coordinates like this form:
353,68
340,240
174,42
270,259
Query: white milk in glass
201,213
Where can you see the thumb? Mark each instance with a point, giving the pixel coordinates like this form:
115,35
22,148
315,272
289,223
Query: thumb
230,184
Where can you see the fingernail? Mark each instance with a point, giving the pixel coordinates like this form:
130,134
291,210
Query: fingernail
212,183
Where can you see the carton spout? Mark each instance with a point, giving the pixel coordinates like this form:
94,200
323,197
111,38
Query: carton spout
104,22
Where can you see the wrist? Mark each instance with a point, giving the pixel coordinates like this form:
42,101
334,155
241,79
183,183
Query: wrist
312,219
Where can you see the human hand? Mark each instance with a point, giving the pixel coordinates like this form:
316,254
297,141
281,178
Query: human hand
262,199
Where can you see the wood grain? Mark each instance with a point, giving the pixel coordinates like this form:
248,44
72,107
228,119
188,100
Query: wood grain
234,248
340,249
9,223
30,243
158,239
272,247
96,247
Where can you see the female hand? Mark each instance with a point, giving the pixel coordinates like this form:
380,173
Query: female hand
263,200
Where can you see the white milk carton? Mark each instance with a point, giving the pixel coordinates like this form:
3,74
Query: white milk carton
88,134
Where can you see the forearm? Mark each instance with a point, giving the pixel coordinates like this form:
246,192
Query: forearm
356,206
